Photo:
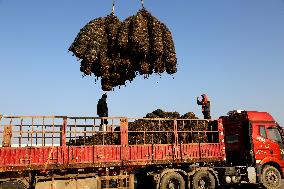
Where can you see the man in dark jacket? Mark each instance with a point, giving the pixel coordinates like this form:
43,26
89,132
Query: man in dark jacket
102,109
205,103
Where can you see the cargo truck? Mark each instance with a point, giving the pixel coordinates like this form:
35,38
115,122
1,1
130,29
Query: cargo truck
71,152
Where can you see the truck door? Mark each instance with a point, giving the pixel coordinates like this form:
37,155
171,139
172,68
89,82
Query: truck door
274,137
268,143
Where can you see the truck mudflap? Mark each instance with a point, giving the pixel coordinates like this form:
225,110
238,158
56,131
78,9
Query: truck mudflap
252,175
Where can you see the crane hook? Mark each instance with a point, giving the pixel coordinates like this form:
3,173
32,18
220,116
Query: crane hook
112,11
142,3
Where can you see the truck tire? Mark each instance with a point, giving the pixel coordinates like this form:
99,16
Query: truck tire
270,177
172,180
12,185
203,180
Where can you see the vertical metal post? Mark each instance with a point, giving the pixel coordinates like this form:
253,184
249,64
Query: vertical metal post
103,137
75,131
63,132
85,129
93,142
42,141
176,139
52,135
21,133
7,134
43,132
70,134
36,133
31,132
124,138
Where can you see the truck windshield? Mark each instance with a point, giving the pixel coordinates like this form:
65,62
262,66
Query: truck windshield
274,135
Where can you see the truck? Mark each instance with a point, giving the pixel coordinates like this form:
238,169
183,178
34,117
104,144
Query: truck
57,152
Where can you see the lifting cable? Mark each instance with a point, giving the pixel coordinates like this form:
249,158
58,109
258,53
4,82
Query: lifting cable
142,4
113,3
113,6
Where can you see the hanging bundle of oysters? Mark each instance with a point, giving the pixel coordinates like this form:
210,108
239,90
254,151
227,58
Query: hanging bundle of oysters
118,51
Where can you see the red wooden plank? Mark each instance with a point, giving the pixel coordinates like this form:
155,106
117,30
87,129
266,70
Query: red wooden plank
163,152
190,151
140,152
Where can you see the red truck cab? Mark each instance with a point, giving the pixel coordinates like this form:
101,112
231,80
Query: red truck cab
252,139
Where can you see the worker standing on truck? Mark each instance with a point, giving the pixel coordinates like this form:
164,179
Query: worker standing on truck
102,110
205,103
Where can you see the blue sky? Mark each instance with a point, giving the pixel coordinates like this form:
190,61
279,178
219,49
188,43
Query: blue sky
233,50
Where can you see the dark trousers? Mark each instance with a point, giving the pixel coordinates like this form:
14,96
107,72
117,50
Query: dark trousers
103,124
206,115
104,121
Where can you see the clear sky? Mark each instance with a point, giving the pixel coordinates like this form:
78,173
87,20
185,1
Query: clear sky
233,50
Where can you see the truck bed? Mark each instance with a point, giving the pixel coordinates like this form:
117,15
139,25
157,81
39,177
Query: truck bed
61,142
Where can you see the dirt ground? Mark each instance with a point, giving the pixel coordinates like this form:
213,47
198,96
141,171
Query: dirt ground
250,186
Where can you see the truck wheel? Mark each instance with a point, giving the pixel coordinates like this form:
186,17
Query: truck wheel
172,180
203,180
270,177
12,185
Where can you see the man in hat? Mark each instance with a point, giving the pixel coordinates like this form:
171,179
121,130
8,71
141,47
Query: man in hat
205,104
102,110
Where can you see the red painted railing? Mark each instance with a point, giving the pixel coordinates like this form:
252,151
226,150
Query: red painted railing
56,142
